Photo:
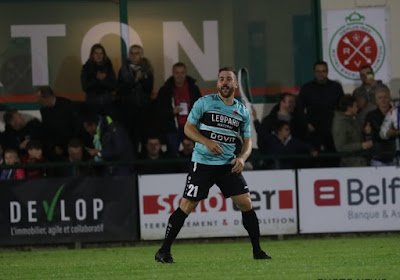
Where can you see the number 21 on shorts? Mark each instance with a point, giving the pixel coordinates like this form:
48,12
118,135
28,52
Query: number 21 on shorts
192,190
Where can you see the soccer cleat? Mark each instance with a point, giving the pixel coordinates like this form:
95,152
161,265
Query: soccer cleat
164,257
261,255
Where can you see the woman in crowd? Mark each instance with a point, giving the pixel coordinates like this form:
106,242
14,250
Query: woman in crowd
98,80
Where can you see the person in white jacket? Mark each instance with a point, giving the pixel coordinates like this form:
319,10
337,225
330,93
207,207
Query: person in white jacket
390,126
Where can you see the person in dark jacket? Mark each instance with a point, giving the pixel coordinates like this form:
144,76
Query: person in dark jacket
175,100
382,147
281,142
19,131
98,80
135,87
319,99
286,110
59,123
111,143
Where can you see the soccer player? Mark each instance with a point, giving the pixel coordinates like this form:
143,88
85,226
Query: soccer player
215,123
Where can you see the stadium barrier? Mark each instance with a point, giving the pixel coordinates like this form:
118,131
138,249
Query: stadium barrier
68,210
105,209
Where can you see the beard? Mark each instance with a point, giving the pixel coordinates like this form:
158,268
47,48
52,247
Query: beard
226,91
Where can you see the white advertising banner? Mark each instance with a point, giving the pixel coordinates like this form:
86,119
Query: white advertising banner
349,199
355,38
273,194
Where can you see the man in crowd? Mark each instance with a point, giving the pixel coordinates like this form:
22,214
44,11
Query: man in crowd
19,132
319,99
111,143
347,133
59,122
175,100
367,89
286,111
154,156
390,127
383,148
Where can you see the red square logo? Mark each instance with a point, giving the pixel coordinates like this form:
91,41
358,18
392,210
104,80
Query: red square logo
327,192
285,199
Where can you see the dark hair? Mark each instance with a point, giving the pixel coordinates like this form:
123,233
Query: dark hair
97,46
90,118
8,115
278,125
153,136
45,91
283,95
179,64
75,143
345,102
33,144
320,62
381,88
229,69
367,67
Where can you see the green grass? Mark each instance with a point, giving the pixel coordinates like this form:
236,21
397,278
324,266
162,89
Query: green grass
374,257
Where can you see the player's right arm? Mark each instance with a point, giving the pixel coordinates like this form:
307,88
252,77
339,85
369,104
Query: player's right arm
193,133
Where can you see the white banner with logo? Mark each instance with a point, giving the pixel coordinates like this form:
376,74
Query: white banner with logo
349,199
355,38
273,194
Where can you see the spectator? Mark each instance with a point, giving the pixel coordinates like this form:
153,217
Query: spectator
366,90
186,153
286,110
364,107
35,155
319,99
19,132
154,158
175,99
111,143
347,133
1,154
136,81
11,157
382,147
98,80
390,126
59,122
75,155
280,142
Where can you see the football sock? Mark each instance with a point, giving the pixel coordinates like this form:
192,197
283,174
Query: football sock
250,223
175,224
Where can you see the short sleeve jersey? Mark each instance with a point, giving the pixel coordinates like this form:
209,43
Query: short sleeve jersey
222,123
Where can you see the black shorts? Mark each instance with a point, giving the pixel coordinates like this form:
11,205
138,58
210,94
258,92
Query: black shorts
202,177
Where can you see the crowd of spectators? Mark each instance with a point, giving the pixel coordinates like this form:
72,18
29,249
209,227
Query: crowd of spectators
122,120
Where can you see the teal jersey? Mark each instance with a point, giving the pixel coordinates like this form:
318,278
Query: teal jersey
224,124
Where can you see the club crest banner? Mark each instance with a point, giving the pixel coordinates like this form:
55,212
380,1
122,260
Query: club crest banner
355,38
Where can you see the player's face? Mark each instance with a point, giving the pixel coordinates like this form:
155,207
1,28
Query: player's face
227,83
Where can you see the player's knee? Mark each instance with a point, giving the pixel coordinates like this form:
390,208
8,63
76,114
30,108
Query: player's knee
245,207
187,205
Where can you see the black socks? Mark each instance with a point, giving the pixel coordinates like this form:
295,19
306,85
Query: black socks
175,224
250,223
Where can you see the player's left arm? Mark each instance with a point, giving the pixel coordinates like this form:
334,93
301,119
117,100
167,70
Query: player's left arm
238,162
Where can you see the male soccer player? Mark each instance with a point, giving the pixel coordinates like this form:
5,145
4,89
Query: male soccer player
215,123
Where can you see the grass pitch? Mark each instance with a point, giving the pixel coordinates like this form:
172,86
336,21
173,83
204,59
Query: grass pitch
353,258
